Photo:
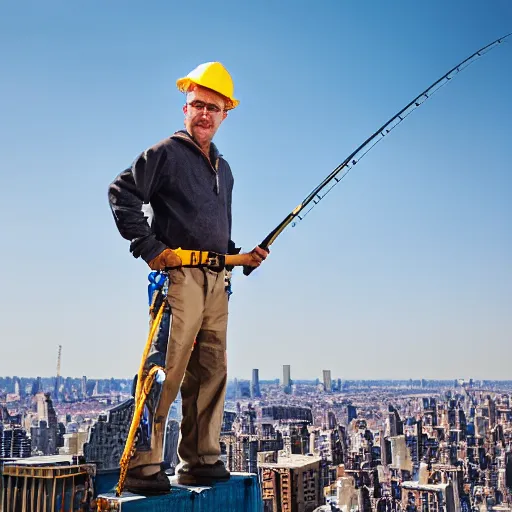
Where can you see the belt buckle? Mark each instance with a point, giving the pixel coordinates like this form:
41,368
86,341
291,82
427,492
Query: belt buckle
215,261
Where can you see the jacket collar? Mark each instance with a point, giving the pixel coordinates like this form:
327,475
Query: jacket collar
187,137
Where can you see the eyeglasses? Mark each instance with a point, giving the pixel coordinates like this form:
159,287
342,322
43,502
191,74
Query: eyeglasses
201,105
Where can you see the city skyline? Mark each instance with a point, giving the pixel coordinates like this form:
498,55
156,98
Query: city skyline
445,448
403,268
320,379
278,374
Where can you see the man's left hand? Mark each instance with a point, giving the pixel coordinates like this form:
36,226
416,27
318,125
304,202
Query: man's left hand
255,257
248,259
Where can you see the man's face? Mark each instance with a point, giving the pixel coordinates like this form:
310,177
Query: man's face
204,112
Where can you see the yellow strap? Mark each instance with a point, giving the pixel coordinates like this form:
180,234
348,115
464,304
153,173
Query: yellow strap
129,448
144,383
192,258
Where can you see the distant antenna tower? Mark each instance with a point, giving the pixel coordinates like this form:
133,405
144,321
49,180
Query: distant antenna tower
57,378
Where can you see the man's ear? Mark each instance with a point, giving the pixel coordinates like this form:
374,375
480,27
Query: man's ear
185,109
224,115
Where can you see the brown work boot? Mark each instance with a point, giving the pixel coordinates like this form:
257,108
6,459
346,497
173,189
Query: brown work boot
157,483
203,474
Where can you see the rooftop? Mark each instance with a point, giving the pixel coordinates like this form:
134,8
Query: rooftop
241,492
291,461
424,487
44,460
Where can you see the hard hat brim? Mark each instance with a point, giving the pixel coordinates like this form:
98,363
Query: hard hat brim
183,85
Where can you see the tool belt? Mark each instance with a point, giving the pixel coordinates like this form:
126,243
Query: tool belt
205,259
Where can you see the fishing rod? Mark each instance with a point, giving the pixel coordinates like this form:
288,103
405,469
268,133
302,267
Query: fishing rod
341,171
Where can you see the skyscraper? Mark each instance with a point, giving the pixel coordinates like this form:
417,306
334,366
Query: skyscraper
351,413
37,386
17,387
255,384
327,381
287,381
396,425
83,386
293,483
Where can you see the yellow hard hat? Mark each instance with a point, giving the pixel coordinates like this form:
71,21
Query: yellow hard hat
214,76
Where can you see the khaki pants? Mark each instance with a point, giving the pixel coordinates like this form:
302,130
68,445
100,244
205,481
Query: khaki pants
199,312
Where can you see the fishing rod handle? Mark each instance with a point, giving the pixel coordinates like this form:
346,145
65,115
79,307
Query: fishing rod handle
247,268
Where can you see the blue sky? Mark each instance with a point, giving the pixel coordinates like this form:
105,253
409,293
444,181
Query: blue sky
402,271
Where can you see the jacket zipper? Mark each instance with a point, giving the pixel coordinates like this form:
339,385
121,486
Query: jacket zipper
215,168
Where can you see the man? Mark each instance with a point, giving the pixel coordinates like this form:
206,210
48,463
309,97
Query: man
188,185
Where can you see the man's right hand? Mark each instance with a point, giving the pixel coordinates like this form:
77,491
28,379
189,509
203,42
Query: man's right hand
166,259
